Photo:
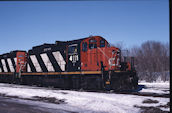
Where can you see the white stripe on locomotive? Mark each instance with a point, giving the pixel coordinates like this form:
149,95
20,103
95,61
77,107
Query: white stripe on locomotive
35,63
28,68
60,60
4,65
10,65
47,62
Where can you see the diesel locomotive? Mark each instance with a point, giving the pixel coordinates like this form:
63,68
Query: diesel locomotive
89,63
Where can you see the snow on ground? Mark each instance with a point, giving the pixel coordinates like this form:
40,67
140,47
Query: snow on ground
82,102
161,87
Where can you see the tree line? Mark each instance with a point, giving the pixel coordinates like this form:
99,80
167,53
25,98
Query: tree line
151,60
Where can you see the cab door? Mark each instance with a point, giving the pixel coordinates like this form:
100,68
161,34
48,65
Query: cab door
73,57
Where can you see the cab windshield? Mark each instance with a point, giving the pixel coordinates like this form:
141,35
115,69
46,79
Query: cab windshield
92,44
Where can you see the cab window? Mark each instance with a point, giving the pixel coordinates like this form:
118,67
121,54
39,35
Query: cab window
92,44
72,48
102,43
84,46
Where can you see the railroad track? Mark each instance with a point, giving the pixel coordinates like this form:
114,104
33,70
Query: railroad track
146,94
136,92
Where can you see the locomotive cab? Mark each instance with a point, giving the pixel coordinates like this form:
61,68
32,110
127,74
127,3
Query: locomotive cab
96,51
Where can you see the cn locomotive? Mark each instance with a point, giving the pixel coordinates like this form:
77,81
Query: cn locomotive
89,63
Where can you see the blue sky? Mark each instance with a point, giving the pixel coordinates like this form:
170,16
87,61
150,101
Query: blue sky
132,22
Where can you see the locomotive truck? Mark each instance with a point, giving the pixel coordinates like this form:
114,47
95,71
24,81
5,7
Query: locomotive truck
89,63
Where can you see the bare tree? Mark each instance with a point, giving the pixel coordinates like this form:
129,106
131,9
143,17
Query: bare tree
152,60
